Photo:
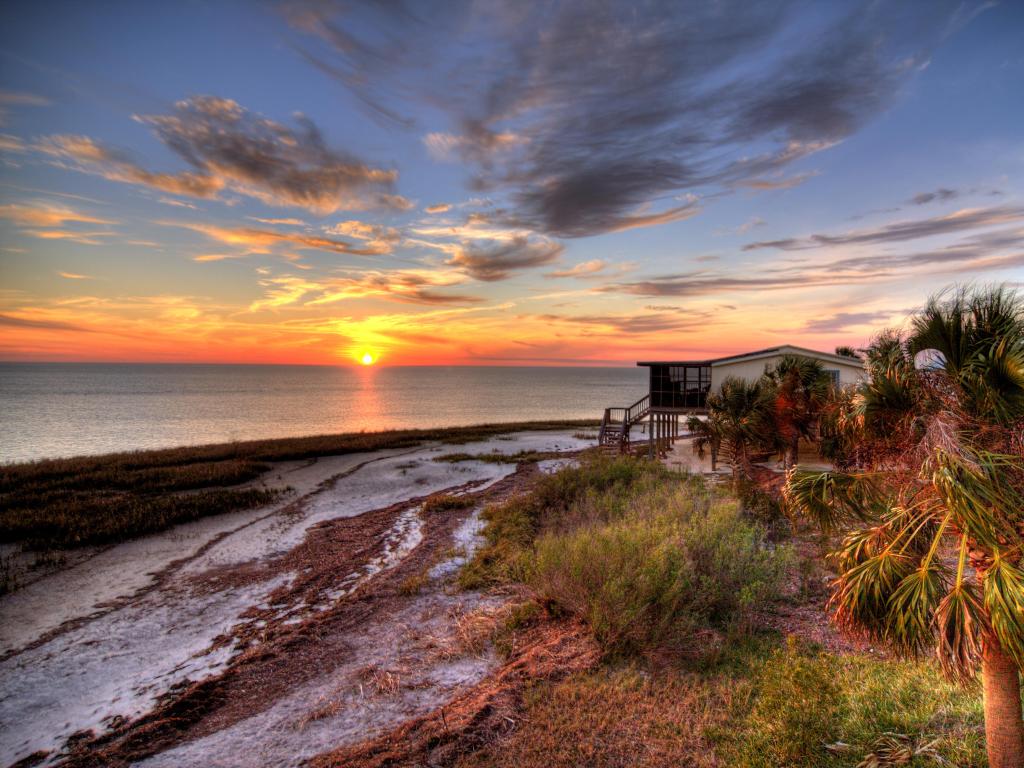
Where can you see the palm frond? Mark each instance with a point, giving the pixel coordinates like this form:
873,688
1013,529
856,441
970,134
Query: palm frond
863,593
960,623
831,498
1004,601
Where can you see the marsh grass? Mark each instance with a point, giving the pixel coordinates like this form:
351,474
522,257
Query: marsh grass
495,457
63,503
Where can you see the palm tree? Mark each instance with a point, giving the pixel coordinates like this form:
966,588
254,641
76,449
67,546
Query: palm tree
738,423
932,499
801,390
844,351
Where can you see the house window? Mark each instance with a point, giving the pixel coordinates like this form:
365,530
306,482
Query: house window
680,386
834,375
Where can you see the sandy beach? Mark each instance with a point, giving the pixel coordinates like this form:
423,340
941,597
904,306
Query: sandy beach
266,636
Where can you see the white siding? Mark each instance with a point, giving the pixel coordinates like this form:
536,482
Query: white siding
751,370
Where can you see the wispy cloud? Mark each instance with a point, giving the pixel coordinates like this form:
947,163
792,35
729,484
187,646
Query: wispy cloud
288,222
439,208
230,148
403,286
583,269
683,97
843,321
254,240
958,221
941,195
41,214
74,276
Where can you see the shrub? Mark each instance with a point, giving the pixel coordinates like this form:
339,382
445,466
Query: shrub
674,563
599,488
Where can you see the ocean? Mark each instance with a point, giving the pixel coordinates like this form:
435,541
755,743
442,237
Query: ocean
68,409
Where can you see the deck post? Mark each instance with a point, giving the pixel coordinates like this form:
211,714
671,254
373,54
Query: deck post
650,436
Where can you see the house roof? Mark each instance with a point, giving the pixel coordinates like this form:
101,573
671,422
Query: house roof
785,349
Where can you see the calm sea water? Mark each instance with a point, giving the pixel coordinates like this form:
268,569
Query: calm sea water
57,409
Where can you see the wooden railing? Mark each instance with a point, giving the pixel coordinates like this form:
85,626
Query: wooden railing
616,422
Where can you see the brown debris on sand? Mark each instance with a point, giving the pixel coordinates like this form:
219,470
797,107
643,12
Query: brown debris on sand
551,650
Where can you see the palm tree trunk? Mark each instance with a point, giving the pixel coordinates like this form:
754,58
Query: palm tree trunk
1004,728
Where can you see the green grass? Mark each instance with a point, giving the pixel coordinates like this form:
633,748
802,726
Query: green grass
801,701
63,503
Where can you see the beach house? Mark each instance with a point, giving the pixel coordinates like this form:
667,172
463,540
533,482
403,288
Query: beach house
680,388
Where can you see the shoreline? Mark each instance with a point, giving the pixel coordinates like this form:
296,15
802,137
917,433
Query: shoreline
320,444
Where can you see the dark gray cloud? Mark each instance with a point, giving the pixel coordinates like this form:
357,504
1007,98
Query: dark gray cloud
901,231
592,115
497,261
941,195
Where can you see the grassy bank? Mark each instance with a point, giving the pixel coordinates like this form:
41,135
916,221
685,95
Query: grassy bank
63,503
763,708
673,579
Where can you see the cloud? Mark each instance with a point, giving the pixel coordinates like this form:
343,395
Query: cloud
51,325
402,286
778,182
583,269
632,325
177,203
83,154
289,222
74,276
10,143
19,98
750,224
582,114
842,321
992,250
958,221
231,148
941,194
39,214
493,262
83,238
254,240
22,97
439,208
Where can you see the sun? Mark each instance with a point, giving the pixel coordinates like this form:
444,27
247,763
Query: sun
367,359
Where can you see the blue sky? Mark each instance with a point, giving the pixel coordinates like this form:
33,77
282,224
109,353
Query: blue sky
473,182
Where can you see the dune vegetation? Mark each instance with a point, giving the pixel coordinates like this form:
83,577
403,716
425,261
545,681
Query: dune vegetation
917,534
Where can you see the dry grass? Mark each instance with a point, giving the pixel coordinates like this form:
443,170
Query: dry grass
613,718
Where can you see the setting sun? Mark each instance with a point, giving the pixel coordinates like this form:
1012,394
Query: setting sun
367,359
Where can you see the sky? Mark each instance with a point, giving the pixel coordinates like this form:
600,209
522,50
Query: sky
489,183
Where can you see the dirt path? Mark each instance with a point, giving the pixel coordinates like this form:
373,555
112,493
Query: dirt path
281,634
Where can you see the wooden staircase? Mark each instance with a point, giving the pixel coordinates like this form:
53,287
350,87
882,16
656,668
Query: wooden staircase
616,423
